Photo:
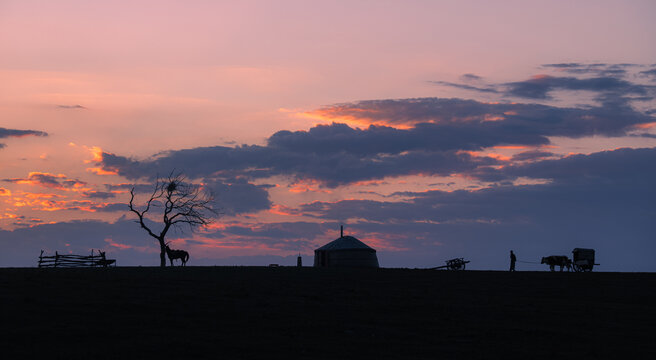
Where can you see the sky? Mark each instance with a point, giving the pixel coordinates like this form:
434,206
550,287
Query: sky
429,129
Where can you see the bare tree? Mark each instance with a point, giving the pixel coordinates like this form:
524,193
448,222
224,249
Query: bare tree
183,205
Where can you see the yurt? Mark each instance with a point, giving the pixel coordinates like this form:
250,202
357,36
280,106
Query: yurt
346,251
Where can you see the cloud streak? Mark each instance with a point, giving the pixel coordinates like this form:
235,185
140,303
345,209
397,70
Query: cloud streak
541,87
5,133
14,133
598,69
72,107
488,89
609,83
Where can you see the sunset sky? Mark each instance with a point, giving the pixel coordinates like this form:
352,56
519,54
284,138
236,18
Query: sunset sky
430,129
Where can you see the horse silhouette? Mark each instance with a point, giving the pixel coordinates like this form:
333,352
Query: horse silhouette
177,254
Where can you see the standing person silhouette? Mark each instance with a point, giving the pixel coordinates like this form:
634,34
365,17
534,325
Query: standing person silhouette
513,259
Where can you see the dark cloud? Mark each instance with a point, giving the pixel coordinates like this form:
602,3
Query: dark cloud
623,176
278,231
98,194
488,89
73,107
512,119
332,168
532,155
541,87
238,196
598,69
138,188
340,138
470,78
6,133
113,207
649,73
295,236
620,167
606,80
573,65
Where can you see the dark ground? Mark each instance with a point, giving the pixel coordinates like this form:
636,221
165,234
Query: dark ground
253,312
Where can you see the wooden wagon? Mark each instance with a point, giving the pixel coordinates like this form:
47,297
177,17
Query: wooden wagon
583,259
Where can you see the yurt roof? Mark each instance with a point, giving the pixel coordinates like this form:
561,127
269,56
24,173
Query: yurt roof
345,243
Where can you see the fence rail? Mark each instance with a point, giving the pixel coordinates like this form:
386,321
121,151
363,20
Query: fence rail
72,260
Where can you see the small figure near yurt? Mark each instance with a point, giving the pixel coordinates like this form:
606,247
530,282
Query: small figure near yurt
346,251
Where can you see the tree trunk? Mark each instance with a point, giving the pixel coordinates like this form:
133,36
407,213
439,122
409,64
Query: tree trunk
162,254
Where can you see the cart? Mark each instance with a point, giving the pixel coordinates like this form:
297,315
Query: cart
583,260
453,264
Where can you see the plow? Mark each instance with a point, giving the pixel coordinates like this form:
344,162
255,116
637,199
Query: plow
453,264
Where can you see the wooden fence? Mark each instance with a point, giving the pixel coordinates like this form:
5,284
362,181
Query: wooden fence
70,260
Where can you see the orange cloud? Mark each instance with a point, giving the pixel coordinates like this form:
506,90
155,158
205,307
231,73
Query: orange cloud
307,186
5,192
369,183
498,156
492,117
101,171
336,114
46,202
481,154
216,226
511,147
41,196
379,242
283,210
646,125
97,158
112,243
48,180
96,153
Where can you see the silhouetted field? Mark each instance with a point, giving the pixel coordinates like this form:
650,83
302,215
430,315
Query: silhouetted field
253,312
